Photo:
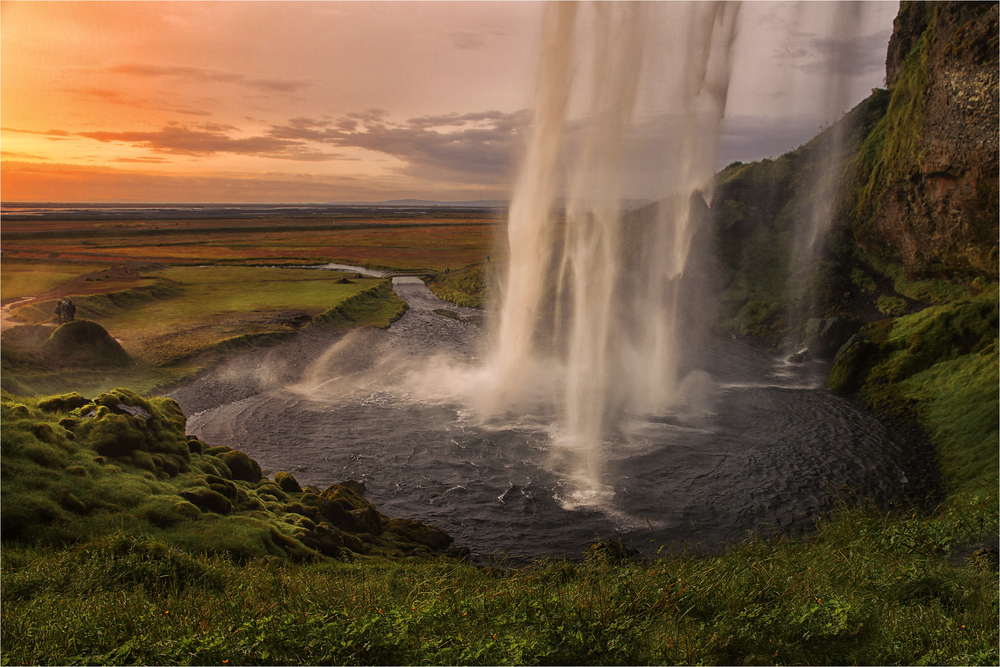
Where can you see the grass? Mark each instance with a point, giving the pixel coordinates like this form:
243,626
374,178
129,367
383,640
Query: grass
217,303
427,243
469,286
23,279
939,366
864,589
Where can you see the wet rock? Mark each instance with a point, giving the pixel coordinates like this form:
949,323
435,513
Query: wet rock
369,520
420,533
611,551
354,486
824,337
800,357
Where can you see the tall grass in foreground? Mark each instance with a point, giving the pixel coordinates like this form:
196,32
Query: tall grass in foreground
866,588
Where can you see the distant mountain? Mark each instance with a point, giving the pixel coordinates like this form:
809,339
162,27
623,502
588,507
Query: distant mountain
474,203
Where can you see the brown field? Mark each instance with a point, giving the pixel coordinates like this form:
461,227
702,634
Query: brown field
431,242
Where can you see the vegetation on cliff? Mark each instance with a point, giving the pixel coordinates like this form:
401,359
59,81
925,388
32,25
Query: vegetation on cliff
468,286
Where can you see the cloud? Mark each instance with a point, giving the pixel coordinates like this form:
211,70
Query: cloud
56,135
204,75
210,139
484,143
855,55
14,155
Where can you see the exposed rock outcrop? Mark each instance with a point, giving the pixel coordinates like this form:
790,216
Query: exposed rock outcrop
928,197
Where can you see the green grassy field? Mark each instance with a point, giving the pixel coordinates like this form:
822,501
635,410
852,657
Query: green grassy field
24,279
178,320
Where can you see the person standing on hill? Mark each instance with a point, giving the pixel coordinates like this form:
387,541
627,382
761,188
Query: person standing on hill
59,313
70,311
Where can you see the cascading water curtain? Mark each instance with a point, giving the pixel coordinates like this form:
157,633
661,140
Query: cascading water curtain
628,106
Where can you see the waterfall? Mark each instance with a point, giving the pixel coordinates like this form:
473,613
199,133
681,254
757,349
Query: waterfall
628,105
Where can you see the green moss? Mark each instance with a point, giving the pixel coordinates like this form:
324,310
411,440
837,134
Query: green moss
940,366
375,306
894,149
287,483
241,466
63,403
891,305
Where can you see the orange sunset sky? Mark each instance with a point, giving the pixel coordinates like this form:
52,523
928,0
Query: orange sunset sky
348,101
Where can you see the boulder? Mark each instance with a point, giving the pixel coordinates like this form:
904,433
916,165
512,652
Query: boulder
824,337
287,483
416,532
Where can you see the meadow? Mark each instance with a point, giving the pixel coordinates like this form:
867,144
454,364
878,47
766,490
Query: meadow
180,294
428,242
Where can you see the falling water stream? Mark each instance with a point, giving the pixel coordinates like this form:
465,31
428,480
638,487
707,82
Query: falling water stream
594,404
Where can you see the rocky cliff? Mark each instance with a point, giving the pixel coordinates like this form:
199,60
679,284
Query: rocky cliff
923,190
916,196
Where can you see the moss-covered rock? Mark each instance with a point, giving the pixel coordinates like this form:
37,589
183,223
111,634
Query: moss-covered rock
63,402
419,533
208,500
287,483
241,466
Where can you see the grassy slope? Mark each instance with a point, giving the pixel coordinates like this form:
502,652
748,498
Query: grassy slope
186,317
468,286
23,279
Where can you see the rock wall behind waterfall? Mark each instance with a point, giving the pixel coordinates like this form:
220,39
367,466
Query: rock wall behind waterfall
925,190
917,197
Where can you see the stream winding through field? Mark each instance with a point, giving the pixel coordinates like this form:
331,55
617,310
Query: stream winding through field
766,447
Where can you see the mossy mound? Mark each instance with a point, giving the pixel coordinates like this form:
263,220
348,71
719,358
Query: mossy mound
75,470
83,344
940,367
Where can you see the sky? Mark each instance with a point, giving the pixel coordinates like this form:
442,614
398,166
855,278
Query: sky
294,102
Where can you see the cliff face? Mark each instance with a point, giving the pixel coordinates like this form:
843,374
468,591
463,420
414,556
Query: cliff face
926,193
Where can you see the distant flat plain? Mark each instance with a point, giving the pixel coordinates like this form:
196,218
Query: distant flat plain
167,289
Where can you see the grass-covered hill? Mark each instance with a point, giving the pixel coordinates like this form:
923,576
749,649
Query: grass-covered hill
75,469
